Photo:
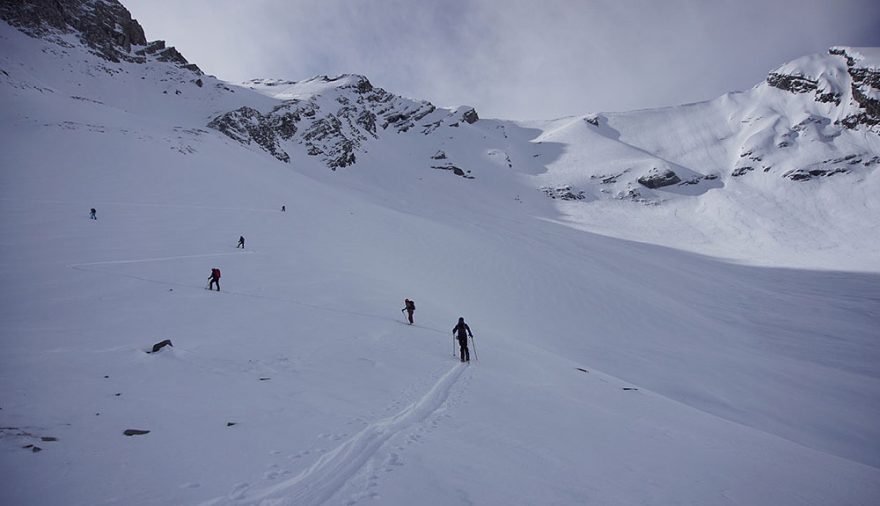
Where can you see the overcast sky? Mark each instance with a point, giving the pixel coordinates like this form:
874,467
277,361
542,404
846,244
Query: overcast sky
513,59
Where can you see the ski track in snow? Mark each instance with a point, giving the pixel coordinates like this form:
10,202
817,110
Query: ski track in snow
333,470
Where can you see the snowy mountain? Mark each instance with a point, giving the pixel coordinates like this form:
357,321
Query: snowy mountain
813,119
605,371
746,176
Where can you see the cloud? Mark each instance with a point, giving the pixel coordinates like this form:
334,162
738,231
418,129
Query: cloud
512,58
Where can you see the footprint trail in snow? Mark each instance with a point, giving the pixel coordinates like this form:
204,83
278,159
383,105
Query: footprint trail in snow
334,469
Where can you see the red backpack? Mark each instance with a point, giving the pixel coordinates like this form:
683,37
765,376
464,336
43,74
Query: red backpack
215,273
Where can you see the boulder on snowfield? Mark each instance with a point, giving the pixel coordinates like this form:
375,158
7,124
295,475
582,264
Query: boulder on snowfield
658,179
135,432
159,346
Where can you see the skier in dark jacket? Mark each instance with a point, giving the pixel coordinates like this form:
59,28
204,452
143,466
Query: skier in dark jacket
93,214
461,332
240,242
214,279
410,308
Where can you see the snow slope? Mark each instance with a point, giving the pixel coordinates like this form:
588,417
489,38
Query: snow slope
609,371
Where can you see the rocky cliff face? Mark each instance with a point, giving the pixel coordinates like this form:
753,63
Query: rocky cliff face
332,118
865,88
853,89
105,26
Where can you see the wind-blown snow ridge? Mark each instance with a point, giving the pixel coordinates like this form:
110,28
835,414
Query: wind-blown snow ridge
318,483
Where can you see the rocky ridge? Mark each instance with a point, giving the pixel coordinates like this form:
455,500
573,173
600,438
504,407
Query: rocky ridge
104,26
854,90
334,123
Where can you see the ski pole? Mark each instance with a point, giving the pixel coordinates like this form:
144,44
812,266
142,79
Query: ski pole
453,345
474,344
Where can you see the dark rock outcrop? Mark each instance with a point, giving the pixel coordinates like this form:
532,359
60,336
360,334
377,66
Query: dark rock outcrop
167,54
657,179
792,83
160,345
104,26
455,170
807,174
247,125
470,116
563,193
135,432
865,81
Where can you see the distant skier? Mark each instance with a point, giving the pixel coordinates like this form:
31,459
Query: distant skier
410,309
240,242
214,279
461,332
283,209
93,214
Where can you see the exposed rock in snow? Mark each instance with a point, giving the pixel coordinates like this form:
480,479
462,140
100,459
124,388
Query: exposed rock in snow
658,179
158,346
563,193
794,84
334,117
455,170
470,116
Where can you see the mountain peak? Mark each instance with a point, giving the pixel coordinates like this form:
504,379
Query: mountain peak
845,77
294,90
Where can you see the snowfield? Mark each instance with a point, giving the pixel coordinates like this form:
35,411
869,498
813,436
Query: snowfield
719,347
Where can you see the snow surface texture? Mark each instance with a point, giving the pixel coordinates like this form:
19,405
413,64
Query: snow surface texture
609,372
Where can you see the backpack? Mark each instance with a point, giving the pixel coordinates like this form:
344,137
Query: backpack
411,305
215,273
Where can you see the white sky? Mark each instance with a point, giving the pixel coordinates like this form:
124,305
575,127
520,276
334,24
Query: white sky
513,59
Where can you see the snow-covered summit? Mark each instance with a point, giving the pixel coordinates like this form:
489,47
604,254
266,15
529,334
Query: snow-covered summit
290,90
847,79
